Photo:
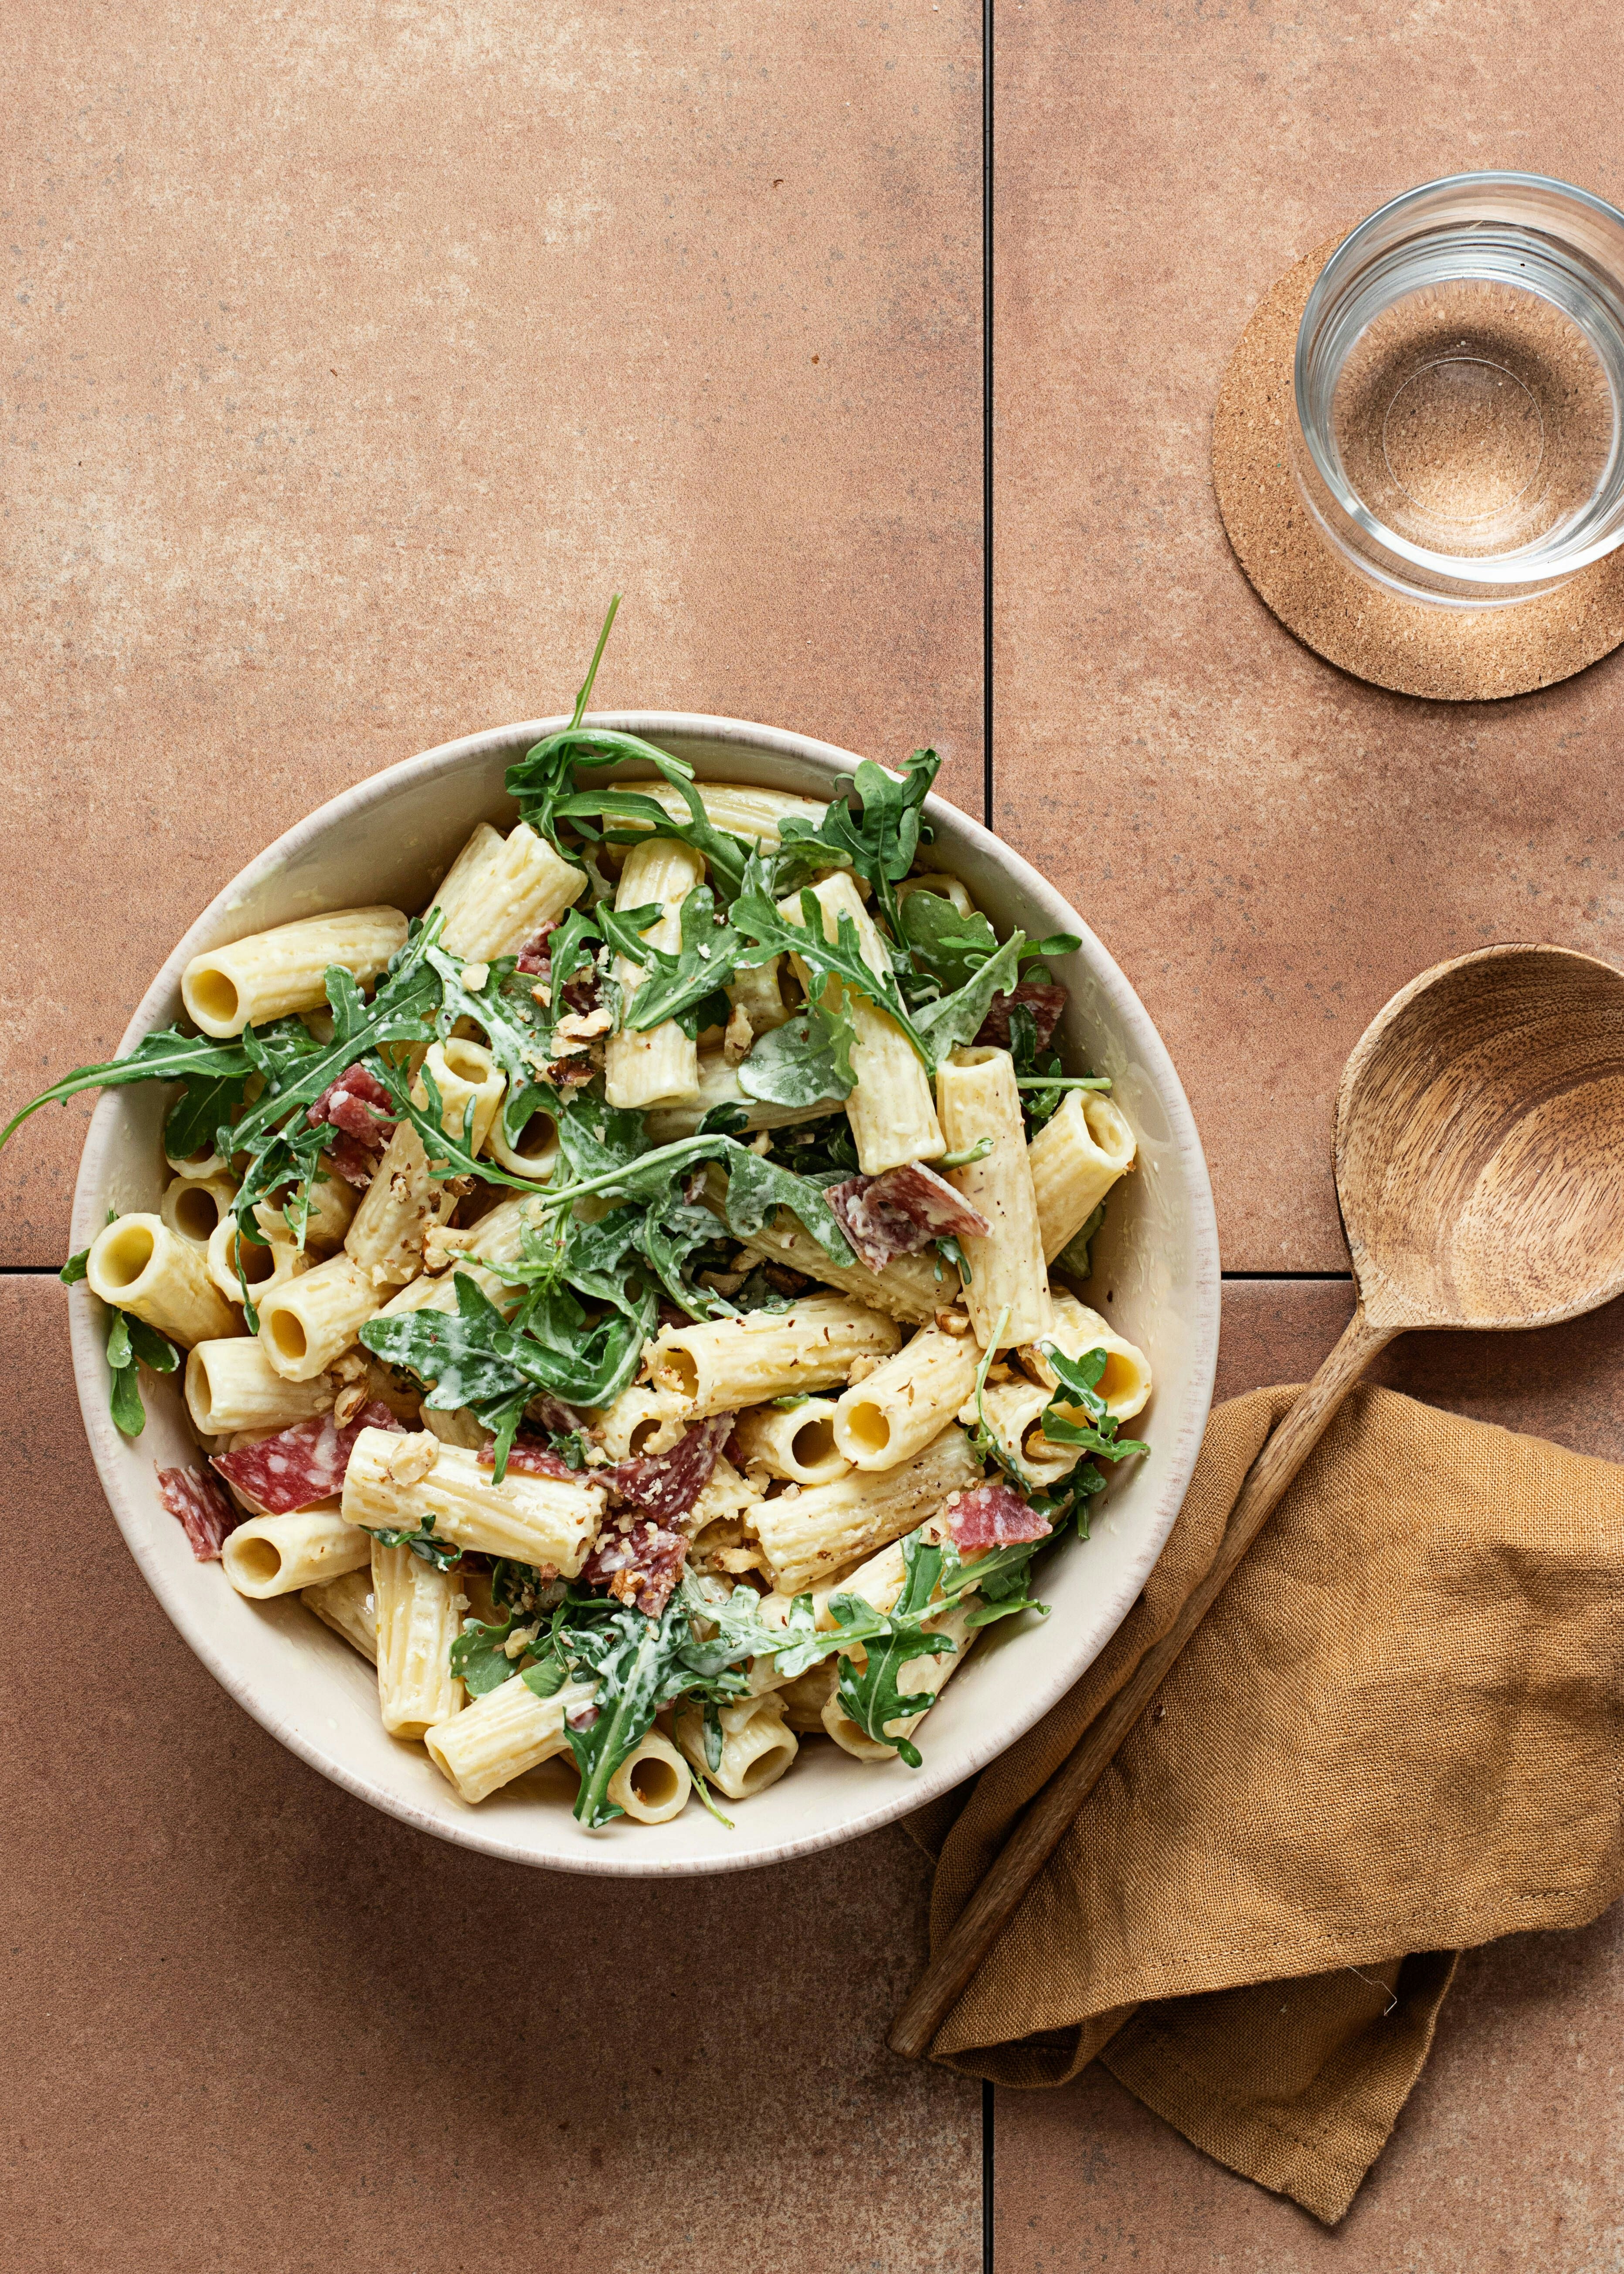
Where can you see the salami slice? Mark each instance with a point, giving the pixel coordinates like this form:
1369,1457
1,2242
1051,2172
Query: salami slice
360,1108
994,1515
665,1486
197,1503
901,1212
640,1566
531,1458
535,957
301,1466
1042,998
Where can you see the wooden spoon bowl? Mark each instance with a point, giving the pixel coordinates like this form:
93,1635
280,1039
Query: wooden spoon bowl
1480,1143
1480,1170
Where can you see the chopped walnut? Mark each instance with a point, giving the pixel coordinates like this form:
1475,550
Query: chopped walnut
543,994
576,1029
440,1243
412,1459
953,1322
723,1282
738,1037
762,1142
520,1641
473,976
861,1369
348,1404
353,1365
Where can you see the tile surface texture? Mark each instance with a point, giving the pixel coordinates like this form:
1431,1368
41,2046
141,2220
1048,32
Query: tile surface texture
250,2023
356,355
1511,2151
1271,847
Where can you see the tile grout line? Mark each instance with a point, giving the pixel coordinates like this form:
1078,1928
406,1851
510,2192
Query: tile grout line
989,2098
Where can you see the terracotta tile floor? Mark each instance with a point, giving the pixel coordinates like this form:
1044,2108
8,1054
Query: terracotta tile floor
355,356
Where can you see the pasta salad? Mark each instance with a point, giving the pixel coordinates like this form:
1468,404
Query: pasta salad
635,1301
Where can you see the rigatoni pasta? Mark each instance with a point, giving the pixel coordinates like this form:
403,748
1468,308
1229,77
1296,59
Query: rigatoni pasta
648,1408
1008,1293
273,972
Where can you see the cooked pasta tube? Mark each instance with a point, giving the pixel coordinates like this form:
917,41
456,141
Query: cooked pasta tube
758,992
384,1241
892,1117
414,1483
757,1745
1075,1158
265,1266
534,1152
138,1264
803,1700
921,1677
499,890
653,1783
271,973
333,1204
203,1164
661,1065
1125,1385
947,888
305,1322
719,1085
193,1206
642,1419
458,1427
896,1411
979,1099
346,1606
467,1077
418,1611
737,807
730,1363
807,1536
798,1444
1014,1413
275,1555
878,1580
911,1287
232,1385
500,1735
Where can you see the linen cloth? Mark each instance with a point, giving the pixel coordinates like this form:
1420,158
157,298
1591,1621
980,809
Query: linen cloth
1394,1735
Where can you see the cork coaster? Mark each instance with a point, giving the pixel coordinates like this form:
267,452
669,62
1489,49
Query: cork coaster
1415,647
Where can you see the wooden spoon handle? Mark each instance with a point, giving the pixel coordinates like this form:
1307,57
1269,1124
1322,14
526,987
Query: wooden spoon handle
1049,1815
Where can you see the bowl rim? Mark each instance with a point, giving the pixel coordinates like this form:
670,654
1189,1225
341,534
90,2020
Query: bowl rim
1154,1525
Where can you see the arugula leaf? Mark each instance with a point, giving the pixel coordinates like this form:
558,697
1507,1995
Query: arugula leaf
475,1358
986,1440
167,1057
676,985
1075,1258
958,1018
131,1340
952,948
74,1269
503,1009
757,915
478,1658
868,1694
423,1544
635,1659
880,835
756,1186
1078,1379
807,1061
206,1102
402,1011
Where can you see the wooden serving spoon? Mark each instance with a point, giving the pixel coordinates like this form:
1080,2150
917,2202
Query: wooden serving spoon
1479,1157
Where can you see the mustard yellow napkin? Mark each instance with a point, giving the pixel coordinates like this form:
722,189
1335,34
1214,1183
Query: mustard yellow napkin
1397,1734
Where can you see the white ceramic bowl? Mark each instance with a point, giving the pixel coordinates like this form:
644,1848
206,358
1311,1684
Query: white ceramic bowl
389,840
